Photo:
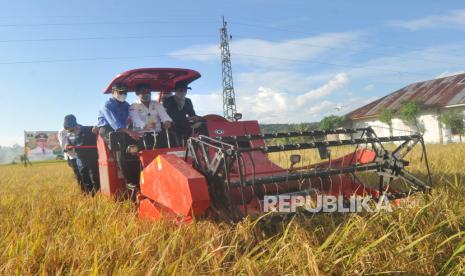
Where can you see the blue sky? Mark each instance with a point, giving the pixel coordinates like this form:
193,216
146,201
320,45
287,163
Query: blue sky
293,61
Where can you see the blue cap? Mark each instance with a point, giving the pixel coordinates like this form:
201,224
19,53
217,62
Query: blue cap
70,121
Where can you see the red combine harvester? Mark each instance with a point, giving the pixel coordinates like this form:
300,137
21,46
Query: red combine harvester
230,166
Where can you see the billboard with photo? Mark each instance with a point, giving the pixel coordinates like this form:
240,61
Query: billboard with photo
42,145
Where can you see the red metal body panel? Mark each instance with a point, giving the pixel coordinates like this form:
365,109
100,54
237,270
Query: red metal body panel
81,147
147,156
173,187
215,118
159,79
111,181
361,156
149,209
256,159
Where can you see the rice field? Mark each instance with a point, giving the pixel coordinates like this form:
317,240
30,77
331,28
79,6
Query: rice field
48,227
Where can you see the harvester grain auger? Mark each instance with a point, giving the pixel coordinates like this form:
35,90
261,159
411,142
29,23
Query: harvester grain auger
240,171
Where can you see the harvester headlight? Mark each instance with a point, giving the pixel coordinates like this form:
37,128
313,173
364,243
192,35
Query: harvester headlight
132,150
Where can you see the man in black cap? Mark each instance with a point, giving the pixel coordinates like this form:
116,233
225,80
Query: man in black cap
42,149
85,141
113,120
181,110
114,114
149,118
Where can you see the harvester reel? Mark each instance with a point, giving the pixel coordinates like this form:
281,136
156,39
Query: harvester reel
240,173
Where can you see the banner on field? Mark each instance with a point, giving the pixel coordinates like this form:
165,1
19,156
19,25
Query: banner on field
42,145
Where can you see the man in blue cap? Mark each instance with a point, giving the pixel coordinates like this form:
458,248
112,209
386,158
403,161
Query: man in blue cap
70,156
84,141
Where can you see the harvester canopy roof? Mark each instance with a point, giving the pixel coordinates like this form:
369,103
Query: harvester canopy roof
159,79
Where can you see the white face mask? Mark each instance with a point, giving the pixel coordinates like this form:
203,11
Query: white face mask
145,97
120,98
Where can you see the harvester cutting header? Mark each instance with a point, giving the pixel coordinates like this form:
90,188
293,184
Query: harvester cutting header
226,167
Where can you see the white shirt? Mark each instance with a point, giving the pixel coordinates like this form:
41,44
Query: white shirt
39,153
63,140
142,117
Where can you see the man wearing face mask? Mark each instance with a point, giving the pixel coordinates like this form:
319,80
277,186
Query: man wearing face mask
87,158
181,110
113,117
148,116
114,114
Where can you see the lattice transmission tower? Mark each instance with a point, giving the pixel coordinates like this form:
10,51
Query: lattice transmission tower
229,97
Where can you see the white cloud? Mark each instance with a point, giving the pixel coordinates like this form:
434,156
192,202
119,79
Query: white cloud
269,105
454,18
277,89
369,87
203,53
267,100
337,82
283,96
290,81
211,103
273,90
264,53
411,66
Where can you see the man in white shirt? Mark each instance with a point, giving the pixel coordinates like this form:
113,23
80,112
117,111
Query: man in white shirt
148,116
41,151
70,155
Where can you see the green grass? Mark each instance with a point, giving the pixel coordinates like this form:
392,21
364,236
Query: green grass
48,227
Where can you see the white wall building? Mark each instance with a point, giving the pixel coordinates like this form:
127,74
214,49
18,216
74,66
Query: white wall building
438,96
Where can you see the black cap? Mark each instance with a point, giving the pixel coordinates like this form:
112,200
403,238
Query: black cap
141,86
70,121
41,136
181,85
119,86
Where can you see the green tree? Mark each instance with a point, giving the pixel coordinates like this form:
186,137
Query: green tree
385,116
454,119
331,122
409,113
